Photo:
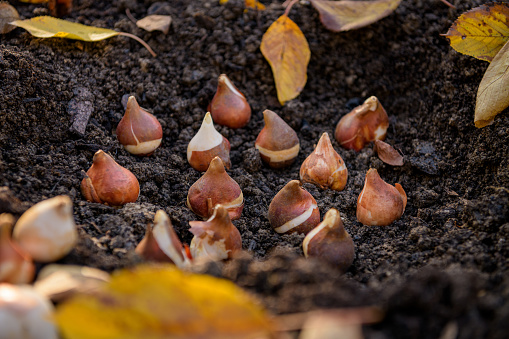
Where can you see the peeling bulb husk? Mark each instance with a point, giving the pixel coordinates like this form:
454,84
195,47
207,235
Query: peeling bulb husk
330,241
379,203
206,145
362,125
46,231
107,182
229,106
16,266
293,209
215,187
139,131
324,167
277,142
215,239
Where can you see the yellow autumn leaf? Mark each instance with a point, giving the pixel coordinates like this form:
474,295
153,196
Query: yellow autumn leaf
339,16
493,92
163,302
286,49
254,4
481,32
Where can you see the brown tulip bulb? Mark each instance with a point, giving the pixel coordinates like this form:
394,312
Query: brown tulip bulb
16,266
107,182
364,124
379,203
206,145
293,209
277,142
139,131
215,187
215,239
330,241
162,244
229,106
324,167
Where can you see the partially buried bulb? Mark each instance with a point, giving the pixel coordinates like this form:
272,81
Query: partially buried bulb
362,125
293,209
215,239
139,131
324,167
379,203
206,145
277,142
107,182
215,187
229,106
330,241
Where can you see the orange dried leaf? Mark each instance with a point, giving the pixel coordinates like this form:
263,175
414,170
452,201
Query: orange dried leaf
34,1
339,16
7,14
163,302
493,92
388,154
481,32
254,4
286,49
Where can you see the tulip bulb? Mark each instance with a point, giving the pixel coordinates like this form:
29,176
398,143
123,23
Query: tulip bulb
206,145
26,314
16,266
293,209
47,230
277,142
324,167
330,242
215,239
107,182
229,106
139,131
162,244
379,203
215,187
364,124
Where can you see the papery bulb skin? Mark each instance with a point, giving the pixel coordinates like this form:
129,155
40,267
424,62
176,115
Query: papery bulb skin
379,203
277,142
47,231
229,106
139,131
161,243
206,145
362,125
16,266
215,187
106,182
215,239
330,241
324,167
293,209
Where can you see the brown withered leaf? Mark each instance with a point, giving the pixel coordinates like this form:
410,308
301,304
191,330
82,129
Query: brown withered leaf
7,14
155,23
493,92
388,154
339,16
481,32
286,49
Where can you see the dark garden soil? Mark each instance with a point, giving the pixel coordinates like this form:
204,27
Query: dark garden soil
442,267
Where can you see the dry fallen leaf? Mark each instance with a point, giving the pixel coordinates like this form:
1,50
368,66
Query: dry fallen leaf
493,92
34,1
49,27
249,4
388,154
345,15
155,22
481,32
7,14
286,49
163,302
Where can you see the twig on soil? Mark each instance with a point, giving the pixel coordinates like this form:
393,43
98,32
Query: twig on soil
129,15
447,3
132,36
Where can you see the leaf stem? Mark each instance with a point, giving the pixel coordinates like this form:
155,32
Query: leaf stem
289,6
132,36
447,3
